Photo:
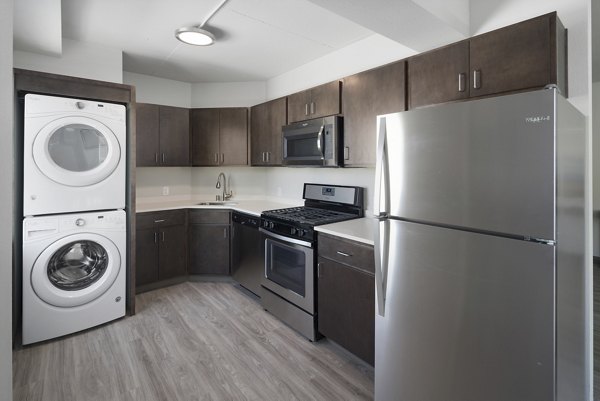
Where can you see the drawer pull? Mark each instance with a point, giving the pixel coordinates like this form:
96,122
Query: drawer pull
343,253
159,221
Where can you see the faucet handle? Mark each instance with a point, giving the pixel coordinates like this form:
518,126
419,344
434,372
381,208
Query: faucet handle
218,197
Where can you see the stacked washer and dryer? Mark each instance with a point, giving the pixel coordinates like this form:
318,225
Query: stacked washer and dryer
74,226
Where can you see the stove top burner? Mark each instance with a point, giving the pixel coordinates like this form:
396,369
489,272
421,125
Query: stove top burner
308,215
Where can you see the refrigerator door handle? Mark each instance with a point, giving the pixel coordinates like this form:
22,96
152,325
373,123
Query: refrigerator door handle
382,241
382,172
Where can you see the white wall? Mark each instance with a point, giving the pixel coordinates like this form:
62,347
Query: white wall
228,94
151,180
245,182
6,197
156,90
370,52
79,59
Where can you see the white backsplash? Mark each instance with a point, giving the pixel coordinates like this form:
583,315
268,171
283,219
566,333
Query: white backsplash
276,183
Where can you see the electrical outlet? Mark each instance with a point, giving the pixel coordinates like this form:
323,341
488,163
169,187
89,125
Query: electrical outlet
165,191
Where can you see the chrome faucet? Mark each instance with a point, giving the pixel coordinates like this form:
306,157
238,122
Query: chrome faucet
226,195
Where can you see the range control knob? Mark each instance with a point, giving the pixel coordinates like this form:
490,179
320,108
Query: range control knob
265,224
301,233
271,224
293,231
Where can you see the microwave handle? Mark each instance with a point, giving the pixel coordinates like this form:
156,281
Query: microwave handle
320,144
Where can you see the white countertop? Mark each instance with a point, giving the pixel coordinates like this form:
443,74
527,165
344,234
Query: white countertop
254,207
360,230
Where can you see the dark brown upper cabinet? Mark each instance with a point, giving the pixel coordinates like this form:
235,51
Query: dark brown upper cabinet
266,120
527,55
320,101
162,135
219,136
367,95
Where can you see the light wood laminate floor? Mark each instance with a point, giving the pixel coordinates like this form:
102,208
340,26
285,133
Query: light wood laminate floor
193,341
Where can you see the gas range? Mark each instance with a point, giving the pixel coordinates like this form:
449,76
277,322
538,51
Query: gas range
324,204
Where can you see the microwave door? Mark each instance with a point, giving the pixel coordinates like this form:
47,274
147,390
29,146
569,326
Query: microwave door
304,146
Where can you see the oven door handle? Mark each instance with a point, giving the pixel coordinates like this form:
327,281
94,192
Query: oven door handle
285,239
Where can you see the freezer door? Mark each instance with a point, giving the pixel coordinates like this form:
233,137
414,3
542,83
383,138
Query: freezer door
468,317
487,164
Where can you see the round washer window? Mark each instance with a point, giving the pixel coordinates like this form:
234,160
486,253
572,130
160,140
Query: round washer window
78,147
77,265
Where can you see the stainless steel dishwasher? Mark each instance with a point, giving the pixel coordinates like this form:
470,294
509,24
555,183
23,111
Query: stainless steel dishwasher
247,252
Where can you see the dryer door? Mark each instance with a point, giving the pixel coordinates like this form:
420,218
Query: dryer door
76,151
75,270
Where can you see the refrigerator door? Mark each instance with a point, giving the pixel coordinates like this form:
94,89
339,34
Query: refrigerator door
468,317
486,164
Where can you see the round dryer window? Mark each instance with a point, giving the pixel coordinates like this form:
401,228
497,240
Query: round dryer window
76,151
75,270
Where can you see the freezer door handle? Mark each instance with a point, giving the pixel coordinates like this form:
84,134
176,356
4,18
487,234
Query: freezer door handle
382,172
382,248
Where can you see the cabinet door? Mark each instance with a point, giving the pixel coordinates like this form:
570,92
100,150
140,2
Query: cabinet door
233,136
346,307
265,133
516,57
172,252
439,76
325,100
146,256
209,249
298,106
365,96
205,137
174,136
259,134
146,135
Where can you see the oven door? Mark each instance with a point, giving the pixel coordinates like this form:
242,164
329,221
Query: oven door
289,270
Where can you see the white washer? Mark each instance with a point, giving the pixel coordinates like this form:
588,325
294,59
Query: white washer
74,155
73,272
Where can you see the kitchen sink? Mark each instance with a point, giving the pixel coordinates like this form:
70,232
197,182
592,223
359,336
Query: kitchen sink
217,203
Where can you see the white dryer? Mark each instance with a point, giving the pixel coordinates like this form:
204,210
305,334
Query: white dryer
74,155
73,272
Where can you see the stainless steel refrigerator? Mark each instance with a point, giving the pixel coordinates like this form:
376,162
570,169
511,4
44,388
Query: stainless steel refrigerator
480,252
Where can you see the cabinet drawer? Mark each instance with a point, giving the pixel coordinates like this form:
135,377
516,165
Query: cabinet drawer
160,219
348,252
209,216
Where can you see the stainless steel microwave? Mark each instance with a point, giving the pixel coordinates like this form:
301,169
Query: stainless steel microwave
315,142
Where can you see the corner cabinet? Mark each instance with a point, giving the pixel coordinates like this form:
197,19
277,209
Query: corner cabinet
162,135
209,238
346,294
523,56
219,136
365,96
320,101
161,247
266,122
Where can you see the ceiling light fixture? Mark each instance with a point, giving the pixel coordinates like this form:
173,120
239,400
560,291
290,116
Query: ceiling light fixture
194,35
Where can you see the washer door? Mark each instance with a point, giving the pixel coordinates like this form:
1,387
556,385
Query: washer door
75,270
76,151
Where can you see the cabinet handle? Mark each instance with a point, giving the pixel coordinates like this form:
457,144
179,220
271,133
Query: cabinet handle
319,275
216,158
159,221
263,157
155,238
312,107
476,79
163,236
225,233
346,153
268,157
306,109
222,158
461,81
163,157
343,253
156,158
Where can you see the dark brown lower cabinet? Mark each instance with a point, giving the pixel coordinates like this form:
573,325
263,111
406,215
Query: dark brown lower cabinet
161,247
209,242
346,298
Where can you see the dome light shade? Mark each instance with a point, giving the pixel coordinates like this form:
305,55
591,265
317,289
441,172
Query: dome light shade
195,36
